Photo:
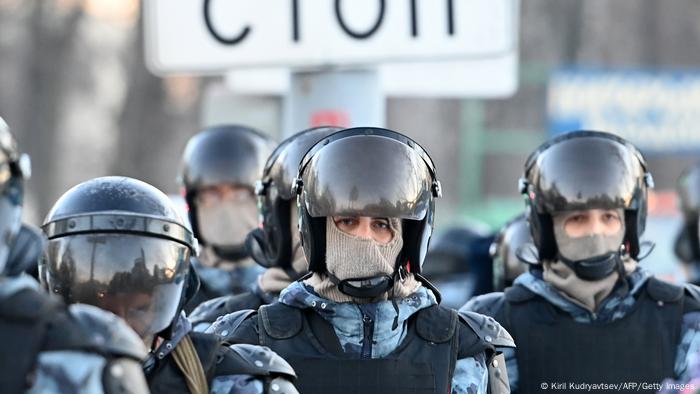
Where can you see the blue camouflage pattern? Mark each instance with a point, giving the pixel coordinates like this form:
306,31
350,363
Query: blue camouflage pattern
81,371
217,307
69,372
238,384
615,307
471,374
223,282
689,382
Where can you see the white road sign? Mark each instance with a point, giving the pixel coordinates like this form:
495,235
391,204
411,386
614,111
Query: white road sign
211,36
486,78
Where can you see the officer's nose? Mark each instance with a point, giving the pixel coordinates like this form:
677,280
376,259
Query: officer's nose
364,228
597,226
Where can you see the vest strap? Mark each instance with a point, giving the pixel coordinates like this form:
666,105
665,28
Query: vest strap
280,321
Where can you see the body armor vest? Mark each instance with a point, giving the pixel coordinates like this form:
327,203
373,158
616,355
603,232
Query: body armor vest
423,363
554,349
166,376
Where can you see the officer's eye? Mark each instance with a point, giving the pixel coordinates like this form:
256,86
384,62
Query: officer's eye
381,224
610,217
578,218
345,222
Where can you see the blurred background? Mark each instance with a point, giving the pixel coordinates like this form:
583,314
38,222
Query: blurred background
75,89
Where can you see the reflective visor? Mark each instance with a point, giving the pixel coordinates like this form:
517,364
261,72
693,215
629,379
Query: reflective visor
367,175
232,155
138,278
586,173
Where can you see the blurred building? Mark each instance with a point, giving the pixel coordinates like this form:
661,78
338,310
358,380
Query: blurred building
74,87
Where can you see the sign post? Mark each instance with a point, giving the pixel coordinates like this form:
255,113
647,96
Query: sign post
334,97
438,48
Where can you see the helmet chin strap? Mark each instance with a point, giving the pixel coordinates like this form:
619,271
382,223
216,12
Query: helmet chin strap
597,267
367,287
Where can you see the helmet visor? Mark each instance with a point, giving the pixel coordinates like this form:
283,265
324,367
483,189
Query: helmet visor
367,176
586,173
138,278
225,155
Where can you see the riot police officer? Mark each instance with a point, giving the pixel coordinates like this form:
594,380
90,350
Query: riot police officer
220,166
687,246
504,251
276,244
48,347
118,243
364,319
590,313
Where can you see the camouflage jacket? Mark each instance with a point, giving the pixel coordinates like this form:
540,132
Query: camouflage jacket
616,306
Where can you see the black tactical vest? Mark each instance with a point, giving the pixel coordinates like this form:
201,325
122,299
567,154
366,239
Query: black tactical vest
553,349
423,363
166,376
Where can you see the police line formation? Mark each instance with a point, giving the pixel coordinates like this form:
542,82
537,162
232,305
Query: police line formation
302,270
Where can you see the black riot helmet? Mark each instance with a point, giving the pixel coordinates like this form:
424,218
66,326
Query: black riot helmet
367,171
119,244
228,154
504,252
453,263
15,168
687,245
271,245
584,170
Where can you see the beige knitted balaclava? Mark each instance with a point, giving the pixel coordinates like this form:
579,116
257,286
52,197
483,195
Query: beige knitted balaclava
587,293
348,257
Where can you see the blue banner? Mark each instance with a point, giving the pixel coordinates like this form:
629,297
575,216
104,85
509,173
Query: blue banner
655,110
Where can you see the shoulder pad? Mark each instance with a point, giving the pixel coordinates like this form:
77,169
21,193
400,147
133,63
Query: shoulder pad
245,359
487,329
226,325
21,299
659,290
11,285
208,311
108,332
281,321
436,324
488,304
281,385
